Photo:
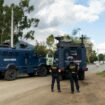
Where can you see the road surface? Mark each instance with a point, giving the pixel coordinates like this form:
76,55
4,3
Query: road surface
36,91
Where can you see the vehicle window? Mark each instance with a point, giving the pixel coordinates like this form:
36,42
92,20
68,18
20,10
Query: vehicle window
15,53
50,55
74,53
26,55
4,53
35,54
10,53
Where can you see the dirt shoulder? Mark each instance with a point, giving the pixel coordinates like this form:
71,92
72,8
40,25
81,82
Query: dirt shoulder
36,91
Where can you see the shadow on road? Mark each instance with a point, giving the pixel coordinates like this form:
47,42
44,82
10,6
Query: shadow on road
21,77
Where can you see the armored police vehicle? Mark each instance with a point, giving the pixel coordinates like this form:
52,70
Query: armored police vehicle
14,61
69,49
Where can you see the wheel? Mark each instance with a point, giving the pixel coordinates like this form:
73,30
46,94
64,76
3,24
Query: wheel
31,74
1,76
43,71
81,75
10,74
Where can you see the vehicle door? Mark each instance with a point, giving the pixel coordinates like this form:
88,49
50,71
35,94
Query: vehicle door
35,60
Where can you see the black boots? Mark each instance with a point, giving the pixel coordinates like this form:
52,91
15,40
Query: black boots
72,92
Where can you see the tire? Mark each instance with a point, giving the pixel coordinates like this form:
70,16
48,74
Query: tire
10,74
81,75
43,71
1,76
31,74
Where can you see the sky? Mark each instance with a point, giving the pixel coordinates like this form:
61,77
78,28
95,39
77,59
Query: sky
60,17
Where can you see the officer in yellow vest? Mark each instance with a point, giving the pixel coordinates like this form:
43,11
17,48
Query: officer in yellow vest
73,69
55,76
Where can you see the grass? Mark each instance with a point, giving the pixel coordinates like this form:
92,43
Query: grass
101,74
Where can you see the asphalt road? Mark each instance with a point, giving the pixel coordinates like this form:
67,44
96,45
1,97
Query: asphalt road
36,91
95,68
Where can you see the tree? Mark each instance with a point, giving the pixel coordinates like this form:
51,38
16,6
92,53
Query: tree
1,18
75,31
89,46
22,21
50,41
93,57
101,57
4,22
41,49
67,37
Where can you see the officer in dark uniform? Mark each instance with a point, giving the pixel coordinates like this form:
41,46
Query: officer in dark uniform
55,76
73,69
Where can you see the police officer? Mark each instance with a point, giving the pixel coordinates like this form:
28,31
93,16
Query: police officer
73,69
55,76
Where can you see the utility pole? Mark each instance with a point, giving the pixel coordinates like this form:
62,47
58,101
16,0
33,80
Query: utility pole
12,33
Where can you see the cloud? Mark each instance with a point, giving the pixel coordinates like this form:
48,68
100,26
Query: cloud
41,35
100,48
9,2
64,12
53,13
56,15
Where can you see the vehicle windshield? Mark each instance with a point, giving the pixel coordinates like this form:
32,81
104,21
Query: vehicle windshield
50,55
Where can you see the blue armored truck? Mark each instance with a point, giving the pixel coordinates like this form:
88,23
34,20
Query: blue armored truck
69,49
14,61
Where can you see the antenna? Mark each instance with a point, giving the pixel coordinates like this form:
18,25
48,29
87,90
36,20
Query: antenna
12,34
82,39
